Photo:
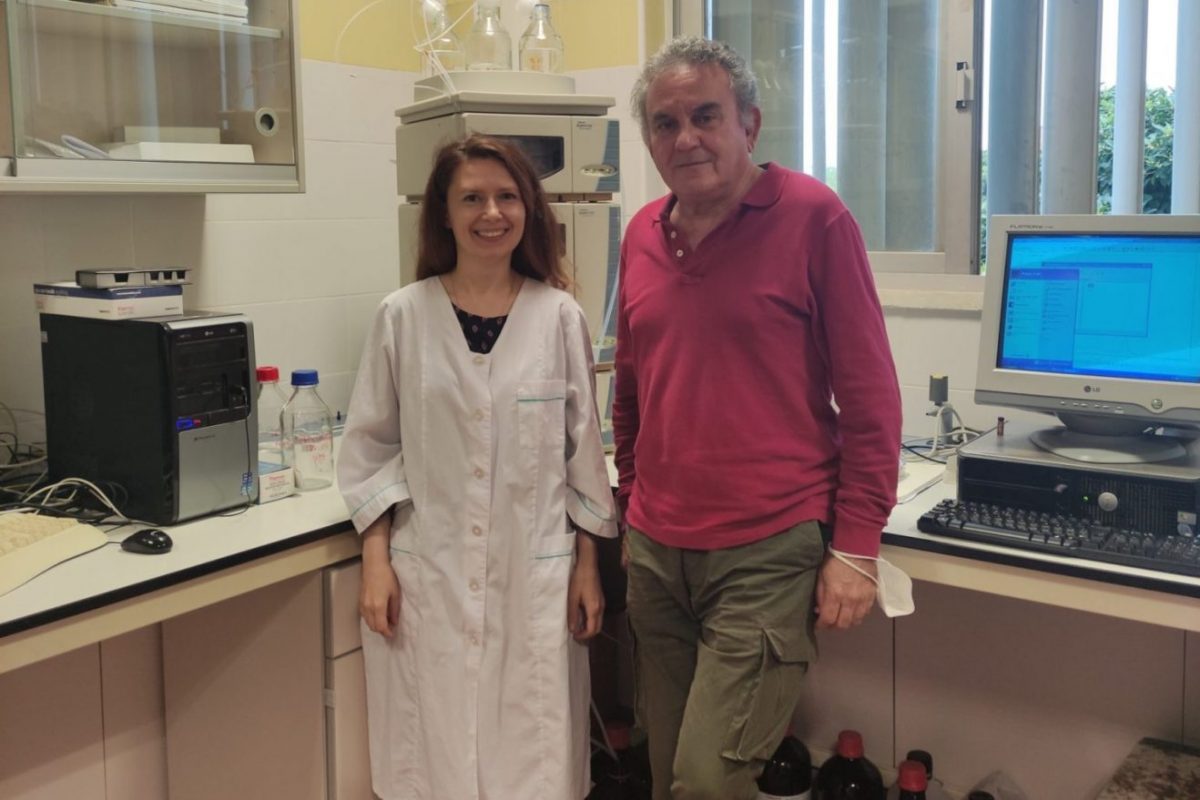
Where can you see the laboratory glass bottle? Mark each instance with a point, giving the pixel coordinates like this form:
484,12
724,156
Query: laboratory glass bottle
443,51
541,47
489,46
268,404
980,795
308,433
620,779
848,774
788,773
912,780
934,790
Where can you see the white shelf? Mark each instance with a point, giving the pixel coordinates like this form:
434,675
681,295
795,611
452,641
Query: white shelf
70,9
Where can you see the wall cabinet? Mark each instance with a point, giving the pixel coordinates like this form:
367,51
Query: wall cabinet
149,96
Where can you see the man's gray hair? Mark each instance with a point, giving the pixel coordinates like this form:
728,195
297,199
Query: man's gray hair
695,51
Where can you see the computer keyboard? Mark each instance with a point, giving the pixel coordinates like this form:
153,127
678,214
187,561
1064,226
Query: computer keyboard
30,544
1062,535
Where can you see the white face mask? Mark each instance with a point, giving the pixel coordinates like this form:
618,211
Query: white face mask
893,587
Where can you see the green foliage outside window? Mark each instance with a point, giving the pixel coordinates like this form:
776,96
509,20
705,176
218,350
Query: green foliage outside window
1160,129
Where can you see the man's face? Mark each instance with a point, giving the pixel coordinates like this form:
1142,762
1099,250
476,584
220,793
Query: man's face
697,138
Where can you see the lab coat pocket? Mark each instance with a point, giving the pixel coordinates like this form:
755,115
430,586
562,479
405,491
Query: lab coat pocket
764,707
549,579
541,414
404,531
404,549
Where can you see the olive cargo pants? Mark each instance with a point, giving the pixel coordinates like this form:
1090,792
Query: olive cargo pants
723,639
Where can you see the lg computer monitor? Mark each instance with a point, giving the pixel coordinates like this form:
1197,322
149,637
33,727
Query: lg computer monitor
1095,319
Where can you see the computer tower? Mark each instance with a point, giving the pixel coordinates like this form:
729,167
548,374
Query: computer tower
161,407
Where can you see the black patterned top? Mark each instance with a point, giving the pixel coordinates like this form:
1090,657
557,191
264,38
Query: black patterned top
481,332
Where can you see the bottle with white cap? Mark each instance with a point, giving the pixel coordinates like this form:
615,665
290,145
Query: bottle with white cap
308,433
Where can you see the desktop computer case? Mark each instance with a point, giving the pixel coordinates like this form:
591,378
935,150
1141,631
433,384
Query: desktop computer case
1009,470
162,407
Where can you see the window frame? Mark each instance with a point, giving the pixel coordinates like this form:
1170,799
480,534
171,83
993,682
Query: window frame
956,232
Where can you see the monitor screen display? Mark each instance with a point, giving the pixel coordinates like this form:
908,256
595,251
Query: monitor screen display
1102,305
1095,319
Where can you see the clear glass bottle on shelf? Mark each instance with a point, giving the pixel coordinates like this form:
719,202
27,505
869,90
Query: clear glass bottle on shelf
541,47
308,433
442,51
268,406
489,47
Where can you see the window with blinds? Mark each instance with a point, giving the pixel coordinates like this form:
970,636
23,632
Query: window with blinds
929,115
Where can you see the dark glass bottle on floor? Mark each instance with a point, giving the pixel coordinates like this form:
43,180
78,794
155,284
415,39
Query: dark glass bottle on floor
622,779
788,774
934,789
912,781
848,774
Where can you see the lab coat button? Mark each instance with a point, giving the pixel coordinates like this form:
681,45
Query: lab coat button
478,531
474,639
679,254
479,413
474,585
479,359
478,472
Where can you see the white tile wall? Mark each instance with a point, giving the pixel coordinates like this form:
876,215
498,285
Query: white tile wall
307,268
946,343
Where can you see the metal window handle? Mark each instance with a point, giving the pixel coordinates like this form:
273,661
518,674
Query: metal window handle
963,85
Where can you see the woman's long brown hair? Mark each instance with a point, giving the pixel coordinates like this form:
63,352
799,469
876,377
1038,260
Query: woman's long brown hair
537,254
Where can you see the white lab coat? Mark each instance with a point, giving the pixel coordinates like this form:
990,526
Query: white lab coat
482,693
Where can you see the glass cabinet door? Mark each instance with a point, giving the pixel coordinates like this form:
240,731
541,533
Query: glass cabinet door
157,95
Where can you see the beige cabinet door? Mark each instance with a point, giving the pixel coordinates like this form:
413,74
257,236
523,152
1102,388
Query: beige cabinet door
243,690
51,737
346,697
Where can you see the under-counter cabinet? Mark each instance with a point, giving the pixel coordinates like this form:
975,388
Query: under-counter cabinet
149,96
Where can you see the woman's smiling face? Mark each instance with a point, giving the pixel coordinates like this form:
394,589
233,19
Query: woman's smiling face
485,211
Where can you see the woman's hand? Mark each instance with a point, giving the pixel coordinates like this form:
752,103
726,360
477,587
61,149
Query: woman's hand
379,597
585,600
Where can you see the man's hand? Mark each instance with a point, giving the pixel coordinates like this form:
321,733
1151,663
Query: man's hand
844,597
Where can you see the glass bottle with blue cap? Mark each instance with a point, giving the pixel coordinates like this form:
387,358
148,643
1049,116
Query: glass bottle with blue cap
308,433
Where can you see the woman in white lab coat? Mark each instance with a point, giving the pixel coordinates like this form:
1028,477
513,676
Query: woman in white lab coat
472,465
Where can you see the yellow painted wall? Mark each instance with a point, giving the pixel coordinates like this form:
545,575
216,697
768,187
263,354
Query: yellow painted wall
656,27
380,36
596,33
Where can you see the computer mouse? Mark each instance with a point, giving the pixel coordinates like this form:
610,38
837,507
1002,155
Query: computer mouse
148,541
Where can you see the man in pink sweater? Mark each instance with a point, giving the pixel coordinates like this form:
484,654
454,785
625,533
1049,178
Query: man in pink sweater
747,310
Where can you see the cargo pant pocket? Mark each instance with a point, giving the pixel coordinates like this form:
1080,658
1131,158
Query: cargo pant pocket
764,710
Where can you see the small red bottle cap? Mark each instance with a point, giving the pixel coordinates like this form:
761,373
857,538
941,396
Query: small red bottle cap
267,373
912,776
618,734
850,744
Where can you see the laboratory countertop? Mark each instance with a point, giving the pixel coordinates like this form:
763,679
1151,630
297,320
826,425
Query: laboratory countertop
1141,595
108,591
